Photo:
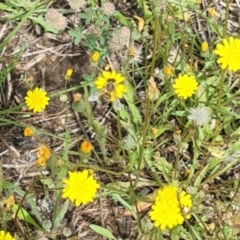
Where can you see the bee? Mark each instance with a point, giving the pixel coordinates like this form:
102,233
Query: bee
105,95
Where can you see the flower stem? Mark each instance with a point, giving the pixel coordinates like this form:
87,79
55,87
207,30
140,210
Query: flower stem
148,102
220,93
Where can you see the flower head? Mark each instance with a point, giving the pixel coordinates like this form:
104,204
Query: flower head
200,115
55,19
211,12
37,99
68,74
77,97
28,132
43,155
108,8
135,54
77,4
120,39
117,82
185,86
170,208
80,187
229,54
86,147
168,70
204,46
6,236
9,203
95,56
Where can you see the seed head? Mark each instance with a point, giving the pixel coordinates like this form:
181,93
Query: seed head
120,39
200,115
55,19
108,8
77,4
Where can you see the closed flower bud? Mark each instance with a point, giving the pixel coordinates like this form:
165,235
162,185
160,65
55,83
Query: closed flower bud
28,132
204,46
68,74
86,147
211,12
95,56
77,97
168,70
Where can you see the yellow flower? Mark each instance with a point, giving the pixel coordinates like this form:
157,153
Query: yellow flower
166,211
204,46
154,131
5,236
168,70
186,17
116,79
41,162
229,54
36,99
44,152
211,12
43,155
185,86
95,56
9,203
80,187
86,147
28,132
185,203
68,74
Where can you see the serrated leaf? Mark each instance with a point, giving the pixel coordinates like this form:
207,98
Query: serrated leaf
102,231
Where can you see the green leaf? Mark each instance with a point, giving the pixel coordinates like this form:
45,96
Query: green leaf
129,97
121,18
60,215
40,20
24,215
102,231
28,198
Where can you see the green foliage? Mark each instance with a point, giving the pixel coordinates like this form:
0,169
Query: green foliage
151,143
102,231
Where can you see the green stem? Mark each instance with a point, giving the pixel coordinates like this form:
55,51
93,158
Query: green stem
226,19
148,102
220,93
220,90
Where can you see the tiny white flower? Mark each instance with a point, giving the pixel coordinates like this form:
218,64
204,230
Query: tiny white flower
200,115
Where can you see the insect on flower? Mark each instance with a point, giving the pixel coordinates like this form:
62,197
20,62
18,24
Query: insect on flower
104,95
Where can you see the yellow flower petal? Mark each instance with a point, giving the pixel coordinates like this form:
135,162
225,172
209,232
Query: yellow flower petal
6,236
117,79
166,211
80,187
36,100
229,54
185,86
